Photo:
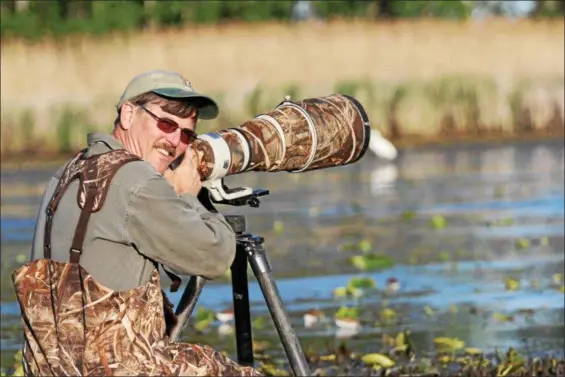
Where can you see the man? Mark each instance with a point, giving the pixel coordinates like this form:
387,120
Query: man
138,215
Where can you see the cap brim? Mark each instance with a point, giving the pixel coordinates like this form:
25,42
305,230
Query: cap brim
207,107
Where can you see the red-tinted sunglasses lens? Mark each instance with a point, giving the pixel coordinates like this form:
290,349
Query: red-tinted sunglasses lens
186,136
167,126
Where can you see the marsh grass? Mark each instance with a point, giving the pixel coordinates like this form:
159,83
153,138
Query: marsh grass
444,107
415,78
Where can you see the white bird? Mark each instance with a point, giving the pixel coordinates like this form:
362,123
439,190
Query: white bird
381,147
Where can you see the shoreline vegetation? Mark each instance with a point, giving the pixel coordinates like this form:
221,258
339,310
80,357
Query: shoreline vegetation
51,159
421,81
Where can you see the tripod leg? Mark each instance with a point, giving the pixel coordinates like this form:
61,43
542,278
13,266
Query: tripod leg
242,313
186,304
262,270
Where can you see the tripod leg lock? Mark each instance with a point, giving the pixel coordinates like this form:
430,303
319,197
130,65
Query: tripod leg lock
254,249
261,264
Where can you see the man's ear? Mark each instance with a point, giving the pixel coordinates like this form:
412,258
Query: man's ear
127,113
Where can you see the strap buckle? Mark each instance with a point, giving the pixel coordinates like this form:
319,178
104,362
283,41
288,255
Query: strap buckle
75,255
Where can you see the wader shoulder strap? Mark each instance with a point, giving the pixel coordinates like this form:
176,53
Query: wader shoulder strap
95,174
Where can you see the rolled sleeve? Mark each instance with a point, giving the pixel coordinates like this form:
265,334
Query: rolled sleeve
177,231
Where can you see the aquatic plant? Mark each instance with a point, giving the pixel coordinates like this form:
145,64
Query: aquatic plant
372,261
427,110
438,222
203,318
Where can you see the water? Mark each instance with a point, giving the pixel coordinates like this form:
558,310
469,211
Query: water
503,207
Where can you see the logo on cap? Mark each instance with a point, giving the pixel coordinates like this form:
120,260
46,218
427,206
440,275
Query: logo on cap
187,83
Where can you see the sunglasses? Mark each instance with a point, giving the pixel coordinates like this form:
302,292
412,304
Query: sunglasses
167,125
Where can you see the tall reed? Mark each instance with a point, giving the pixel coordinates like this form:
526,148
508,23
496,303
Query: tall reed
414,77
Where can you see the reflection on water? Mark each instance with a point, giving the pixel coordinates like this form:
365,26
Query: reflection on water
503,210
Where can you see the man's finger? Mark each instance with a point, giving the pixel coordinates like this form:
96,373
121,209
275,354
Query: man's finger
188,157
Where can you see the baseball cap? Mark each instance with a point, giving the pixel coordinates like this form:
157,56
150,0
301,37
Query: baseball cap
169,84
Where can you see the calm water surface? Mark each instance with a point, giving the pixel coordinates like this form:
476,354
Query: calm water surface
503,207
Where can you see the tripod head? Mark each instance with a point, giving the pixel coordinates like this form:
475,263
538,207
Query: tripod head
216,192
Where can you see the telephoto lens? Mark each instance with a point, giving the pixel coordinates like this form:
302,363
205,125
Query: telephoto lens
314,133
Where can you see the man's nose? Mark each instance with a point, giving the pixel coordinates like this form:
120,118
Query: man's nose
174,137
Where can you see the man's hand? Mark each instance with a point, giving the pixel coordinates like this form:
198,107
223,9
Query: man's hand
185,178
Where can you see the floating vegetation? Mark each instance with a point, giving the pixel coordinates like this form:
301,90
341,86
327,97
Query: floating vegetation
347,312
438,222
408,215
429,311
21,258
203,318
372,262
364,246
362,283
511,284
356,287
347,318
501,222
341,292
377,359
449,345
503,317
387,316
278,227
451,358
443,256
522,243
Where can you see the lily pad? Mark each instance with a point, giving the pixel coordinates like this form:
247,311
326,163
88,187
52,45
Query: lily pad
429,311
511,284
347,312
203,313
408,215
438,222
544,241
278,227
362,283
387,315
522,243
473,351
340,292
378,359
502,317
364,246
372,262
444,344
401,339
258,323
443,256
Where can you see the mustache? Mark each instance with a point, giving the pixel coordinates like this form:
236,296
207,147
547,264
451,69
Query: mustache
170,149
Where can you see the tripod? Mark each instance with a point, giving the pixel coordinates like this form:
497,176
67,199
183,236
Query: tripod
249,249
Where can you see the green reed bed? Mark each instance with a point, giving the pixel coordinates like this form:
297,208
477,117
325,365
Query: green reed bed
442,108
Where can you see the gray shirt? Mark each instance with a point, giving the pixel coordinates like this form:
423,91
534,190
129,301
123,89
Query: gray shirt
143,221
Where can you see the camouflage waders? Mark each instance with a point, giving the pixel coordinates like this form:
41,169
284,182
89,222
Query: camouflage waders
75,326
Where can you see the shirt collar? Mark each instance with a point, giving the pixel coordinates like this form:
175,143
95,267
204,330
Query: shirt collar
109,140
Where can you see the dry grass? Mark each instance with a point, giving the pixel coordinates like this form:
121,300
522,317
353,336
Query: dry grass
232,61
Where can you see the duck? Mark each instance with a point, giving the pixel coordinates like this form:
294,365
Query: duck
225,315
312,316
381,146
